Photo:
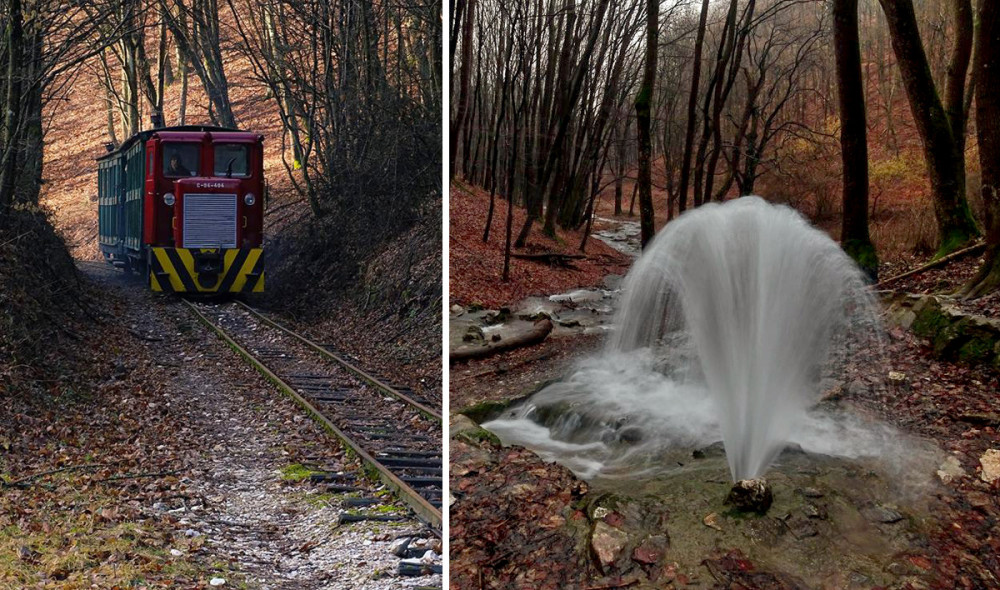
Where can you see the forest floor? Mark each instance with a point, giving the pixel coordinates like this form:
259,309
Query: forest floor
520,521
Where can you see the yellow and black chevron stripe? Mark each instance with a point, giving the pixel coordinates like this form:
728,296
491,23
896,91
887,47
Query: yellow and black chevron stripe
174,270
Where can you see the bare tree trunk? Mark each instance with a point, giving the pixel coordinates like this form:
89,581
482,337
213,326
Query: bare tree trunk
14,41
853,140
987,280
643,107
465,76
682,190
956,226
954,92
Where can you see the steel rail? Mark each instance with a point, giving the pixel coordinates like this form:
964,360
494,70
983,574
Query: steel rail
424,510
428,412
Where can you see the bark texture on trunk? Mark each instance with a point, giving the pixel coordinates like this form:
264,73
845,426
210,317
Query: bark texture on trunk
643,107
854,236
987,72
945,164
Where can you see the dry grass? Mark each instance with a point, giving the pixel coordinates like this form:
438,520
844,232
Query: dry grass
81,543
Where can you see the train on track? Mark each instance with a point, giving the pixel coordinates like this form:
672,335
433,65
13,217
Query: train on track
184,207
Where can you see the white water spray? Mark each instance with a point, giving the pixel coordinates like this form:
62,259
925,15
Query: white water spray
747,309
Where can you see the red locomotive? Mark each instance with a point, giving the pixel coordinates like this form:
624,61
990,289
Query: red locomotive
184,206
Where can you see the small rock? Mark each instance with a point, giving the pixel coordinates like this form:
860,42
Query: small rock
810,492
217,582
712,521
651,550
176,552
991,465
897,377
717,449
881,514
950,470
457,310
630,435
398,547
473,334
814,511
751,495
607,543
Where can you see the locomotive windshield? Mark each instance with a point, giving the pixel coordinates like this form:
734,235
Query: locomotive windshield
232,160
181,159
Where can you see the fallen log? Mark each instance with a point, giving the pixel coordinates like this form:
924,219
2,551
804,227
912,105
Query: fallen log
538,333
971,250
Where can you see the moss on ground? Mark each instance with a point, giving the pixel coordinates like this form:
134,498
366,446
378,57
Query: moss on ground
480,435
297,472
863,253
484,411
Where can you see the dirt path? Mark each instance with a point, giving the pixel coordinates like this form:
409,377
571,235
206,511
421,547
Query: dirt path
239,445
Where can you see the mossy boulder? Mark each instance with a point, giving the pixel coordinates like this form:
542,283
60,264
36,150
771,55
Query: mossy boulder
953,334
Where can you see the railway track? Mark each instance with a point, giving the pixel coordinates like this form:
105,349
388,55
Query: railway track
393,430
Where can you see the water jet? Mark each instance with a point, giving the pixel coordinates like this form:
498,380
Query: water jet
730,326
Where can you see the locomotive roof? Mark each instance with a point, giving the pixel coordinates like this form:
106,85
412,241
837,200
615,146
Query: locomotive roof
144,135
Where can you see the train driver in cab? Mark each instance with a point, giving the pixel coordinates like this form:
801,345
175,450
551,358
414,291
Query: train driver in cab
177,167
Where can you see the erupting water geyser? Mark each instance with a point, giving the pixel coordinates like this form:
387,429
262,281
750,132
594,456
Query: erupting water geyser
762,295
729,326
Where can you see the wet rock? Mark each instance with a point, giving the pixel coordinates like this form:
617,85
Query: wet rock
536,316
607,543
751,495
802,528
651,550
474,334
630,435
493,317
717,449
990,462
810,492
734,570
881,514
950,470
814,511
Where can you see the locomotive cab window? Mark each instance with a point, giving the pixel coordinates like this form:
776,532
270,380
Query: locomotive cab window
232,160
180,159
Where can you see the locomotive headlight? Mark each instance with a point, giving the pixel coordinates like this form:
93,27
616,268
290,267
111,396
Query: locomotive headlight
168,199
249,199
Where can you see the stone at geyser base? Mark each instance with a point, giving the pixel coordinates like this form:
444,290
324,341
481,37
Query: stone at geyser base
607,542
751,495
991,465
950,469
